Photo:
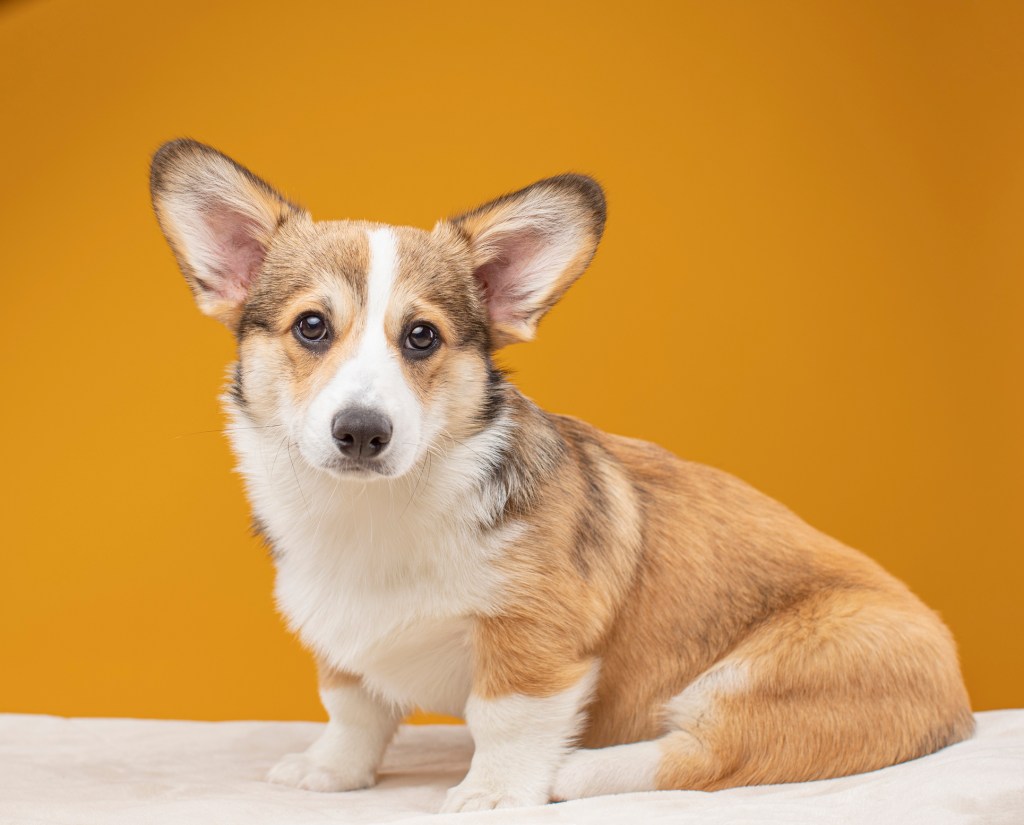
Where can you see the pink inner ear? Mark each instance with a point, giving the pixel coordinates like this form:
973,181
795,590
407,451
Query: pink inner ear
507,278
237,255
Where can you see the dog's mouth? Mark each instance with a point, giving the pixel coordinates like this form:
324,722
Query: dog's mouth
348,468
358,470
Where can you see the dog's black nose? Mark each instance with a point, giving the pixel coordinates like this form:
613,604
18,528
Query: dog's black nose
361,433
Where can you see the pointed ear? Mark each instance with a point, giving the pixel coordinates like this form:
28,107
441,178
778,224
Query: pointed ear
529,247
219,219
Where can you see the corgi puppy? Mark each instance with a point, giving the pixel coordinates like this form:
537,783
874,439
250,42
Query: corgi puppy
605,616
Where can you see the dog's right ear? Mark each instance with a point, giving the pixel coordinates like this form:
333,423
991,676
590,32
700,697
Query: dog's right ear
219,219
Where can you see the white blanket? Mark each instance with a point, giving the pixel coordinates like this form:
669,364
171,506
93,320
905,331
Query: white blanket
145,772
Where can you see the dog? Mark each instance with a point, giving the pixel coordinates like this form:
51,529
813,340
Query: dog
605,616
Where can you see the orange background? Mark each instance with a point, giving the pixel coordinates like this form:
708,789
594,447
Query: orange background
812,277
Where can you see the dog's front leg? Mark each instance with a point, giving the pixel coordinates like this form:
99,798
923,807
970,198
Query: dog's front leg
524,716
348,752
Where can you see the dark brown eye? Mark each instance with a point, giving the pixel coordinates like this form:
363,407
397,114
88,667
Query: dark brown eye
421,339
311,329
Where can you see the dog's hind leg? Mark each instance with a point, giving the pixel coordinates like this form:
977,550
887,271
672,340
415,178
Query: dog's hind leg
615,769
678,757
844,682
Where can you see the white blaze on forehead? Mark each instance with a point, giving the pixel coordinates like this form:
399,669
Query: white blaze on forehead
372,376
373,368
380,280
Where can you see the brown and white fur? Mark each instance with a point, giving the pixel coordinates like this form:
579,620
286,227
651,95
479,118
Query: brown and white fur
606,616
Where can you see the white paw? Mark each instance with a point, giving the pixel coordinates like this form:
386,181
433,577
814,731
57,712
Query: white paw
299,770
478,797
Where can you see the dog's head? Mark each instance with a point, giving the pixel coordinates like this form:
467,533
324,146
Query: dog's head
369,343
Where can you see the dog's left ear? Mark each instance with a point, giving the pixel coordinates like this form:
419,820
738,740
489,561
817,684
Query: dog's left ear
529,247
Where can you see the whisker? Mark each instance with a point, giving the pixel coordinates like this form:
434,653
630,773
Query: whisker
416,486
369,515
326,507
227,430
423,469
296,475
278,454
455,440
391,501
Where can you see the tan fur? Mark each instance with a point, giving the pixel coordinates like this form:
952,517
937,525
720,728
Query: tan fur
565,583
846,670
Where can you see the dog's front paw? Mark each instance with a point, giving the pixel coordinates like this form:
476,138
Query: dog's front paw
476,796
299,770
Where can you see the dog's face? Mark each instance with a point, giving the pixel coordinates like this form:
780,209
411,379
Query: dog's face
368,345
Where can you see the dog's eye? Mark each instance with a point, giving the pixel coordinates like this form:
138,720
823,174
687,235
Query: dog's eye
311,329
421,338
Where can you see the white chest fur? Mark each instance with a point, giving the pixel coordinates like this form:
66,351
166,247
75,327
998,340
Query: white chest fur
380,579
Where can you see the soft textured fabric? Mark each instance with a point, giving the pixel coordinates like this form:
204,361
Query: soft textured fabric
144,772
